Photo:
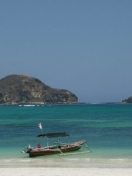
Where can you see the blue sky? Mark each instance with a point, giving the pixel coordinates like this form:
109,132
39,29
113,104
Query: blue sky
84,46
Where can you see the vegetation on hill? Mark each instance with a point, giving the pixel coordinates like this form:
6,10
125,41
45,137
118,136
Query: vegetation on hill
20,89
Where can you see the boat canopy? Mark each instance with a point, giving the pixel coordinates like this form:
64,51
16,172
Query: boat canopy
53,135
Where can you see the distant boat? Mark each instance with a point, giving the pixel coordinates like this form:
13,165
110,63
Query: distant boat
28,105
58,148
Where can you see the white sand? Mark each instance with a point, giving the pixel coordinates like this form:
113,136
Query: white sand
65,167
65,171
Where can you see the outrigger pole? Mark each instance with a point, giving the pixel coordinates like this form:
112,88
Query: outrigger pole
75,153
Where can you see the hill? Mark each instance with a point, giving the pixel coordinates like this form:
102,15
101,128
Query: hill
128,100
20,89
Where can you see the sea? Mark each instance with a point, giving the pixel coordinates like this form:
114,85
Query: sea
107,129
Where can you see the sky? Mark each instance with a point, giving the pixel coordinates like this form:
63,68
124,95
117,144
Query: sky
84,46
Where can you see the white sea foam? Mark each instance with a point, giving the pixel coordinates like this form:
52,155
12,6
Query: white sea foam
75,163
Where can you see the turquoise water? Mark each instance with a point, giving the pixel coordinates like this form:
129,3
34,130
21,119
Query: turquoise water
106,128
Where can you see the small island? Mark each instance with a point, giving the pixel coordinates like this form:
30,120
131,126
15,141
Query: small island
21,89
128,100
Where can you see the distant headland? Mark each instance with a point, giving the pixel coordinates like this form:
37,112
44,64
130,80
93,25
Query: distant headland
21,89
128,100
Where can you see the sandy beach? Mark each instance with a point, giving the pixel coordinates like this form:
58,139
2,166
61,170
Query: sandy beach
65,171
40,167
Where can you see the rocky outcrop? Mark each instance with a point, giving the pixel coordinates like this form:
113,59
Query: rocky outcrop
20,89
128,100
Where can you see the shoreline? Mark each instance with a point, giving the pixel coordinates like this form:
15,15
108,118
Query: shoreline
42,166
65,171
66,163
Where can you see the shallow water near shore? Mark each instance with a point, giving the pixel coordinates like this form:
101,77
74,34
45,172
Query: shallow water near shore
66,163
107,130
